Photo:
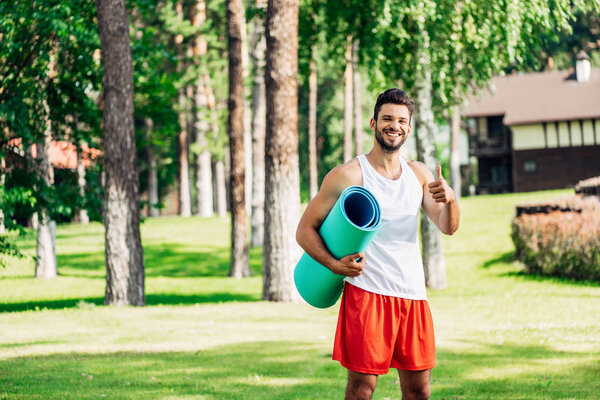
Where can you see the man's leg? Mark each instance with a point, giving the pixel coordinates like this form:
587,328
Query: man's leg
415,384
360,386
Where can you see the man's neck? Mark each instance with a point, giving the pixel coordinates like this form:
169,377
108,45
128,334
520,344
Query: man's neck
387,164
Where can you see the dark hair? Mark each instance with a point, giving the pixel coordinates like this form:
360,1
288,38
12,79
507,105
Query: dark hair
395,96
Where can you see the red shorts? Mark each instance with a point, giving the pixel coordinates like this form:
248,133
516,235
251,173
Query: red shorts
377,332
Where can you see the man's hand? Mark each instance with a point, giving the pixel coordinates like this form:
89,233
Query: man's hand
350,265
439,189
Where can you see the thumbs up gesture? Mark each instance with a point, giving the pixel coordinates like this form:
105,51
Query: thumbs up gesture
439,189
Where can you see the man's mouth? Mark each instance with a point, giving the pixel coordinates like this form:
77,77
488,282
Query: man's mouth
392,133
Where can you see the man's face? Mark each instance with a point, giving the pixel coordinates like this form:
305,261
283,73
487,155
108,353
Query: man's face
392,126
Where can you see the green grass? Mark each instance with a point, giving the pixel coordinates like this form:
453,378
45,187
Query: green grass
500,334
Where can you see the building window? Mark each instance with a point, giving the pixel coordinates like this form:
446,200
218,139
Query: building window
495,126
530,166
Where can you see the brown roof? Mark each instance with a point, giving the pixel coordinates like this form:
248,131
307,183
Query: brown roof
538,97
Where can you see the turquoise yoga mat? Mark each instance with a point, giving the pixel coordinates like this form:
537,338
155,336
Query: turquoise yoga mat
349,228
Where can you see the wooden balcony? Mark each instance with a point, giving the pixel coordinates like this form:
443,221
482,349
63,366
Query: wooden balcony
497,145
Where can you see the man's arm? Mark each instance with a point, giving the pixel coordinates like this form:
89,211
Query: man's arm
307,234
439,200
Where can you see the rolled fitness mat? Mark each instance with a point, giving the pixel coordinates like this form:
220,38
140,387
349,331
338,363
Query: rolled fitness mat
349,228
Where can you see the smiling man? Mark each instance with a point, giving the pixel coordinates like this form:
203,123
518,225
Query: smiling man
384,320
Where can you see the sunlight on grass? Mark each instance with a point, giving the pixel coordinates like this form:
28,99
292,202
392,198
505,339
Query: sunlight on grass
500,334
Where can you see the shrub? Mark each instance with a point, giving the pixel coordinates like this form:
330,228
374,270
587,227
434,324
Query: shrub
557,242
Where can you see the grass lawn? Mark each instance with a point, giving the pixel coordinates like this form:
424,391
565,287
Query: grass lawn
500,334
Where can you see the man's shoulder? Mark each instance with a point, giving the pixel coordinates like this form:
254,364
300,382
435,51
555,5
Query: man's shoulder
419,169
345,175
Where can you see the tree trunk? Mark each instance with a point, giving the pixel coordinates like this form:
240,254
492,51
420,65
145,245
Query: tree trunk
219,184
203,179
84,219
431,238
45,262
124,256
282,189
258,43
312,125
455,179
185,196
2,182
348,101
239,227
247,114
358,133
153,199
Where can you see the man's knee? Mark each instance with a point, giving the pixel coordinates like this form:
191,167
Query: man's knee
359,391
416,393
360,386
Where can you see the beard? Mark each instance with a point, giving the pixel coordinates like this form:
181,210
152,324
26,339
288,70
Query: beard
388,148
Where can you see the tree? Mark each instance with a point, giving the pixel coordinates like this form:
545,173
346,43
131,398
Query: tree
185,196
46,77
312,124
348,97
258,45
282,194
203,179
239,227
356,100
124,256
45,261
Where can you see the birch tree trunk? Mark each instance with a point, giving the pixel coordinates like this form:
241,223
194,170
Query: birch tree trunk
153,199
124,256
2,182
203,178
282,188
219,184
45,261
312,125
239,227
185,196
434,262
348,110
358,133
258,43
84,219
247,120
455,178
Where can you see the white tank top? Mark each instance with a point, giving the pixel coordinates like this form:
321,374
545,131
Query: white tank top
393,259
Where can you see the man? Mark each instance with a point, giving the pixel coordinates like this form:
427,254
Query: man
384,320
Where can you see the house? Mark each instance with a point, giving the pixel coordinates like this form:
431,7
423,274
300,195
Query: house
536,131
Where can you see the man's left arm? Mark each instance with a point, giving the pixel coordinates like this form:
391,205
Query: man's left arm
439,200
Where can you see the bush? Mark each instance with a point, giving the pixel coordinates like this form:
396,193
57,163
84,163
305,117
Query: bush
558,242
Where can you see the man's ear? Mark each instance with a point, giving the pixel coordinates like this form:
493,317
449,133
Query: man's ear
372,124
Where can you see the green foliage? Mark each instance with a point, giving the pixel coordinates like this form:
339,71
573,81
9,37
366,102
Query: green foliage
560,243
48,52
8,251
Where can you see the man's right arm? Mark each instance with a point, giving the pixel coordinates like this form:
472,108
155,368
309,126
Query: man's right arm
307,234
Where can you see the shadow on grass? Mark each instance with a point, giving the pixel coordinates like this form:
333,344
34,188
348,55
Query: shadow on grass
290,370
151,300
551,279
166,260
505,258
